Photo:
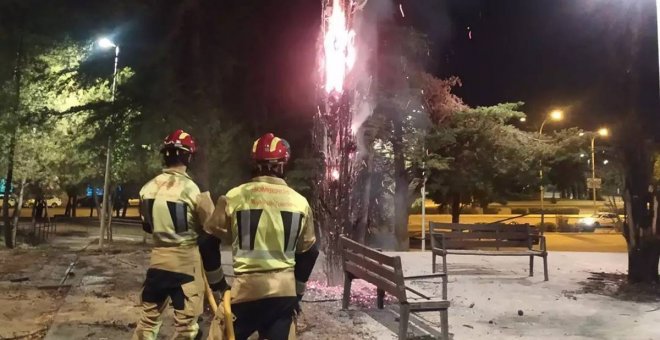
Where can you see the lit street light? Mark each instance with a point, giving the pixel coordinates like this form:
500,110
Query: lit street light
106,43
555,115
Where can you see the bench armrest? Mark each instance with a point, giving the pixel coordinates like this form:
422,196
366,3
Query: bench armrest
542,243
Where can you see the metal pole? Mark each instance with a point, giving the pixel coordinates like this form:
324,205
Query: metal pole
105,204
106,184
593,171
542,189
424,209
114,73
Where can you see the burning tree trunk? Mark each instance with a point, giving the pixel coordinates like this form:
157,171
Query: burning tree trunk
332,136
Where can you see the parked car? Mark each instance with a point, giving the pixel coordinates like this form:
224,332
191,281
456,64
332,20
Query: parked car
12,201
599,220
51,201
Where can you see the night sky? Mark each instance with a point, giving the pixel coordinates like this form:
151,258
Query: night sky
596,59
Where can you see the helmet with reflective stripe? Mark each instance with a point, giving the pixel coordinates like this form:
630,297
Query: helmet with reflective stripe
179,140
269,148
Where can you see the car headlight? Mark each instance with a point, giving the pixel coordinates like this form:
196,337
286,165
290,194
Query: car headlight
588,221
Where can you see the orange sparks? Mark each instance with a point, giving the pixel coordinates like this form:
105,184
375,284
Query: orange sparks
340,53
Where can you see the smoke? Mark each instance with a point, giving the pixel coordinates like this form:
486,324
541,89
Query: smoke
366,27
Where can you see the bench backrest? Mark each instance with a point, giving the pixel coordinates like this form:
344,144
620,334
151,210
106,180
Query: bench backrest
365,263
462,236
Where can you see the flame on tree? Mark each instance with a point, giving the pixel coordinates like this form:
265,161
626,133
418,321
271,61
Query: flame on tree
332,135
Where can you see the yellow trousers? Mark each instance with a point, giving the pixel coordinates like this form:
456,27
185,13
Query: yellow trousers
186,299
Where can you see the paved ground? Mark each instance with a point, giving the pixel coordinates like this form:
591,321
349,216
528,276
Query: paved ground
493,298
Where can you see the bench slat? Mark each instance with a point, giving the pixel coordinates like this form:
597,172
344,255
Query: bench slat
372,266
505,235
358,248
522,252
376,280
483,244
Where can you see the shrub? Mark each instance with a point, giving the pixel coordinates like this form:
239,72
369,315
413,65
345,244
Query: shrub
469,210
492,210
556,211
549,226
518,211
567,228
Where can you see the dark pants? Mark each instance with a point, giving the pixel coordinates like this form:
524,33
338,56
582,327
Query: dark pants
271,317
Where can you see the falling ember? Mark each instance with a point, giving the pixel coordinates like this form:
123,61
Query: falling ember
339,49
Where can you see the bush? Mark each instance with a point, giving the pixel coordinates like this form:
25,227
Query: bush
470,210
492,210
416,209
518,211
562,223
549,226
556,211
568,228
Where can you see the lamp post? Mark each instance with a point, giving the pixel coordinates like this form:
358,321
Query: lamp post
603,132
106,43
555,115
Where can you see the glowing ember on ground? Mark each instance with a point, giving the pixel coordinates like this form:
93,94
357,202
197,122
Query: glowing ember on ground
363,293
339,49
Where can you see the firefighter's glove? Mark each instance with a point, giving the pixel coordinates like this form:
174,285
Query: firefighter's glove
297,308
220,286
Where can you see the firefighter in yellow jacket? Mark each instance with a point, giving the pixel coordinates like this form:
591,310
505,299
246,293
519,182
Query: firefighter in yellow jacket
271,230
173,210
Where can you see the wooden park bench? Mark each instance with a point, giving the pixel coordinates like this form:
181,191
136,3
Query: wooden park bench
385,272
487,240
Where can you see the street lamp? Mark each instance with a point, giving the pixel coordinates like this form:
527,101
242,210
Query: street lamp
555,115
106,43
603,132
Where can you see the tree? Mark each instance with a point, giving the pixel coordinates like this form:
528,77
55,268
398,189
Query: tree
476,154
405,103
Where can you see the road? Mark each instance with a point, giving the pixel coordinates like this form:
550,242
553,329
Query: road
556,241
415,221
81,212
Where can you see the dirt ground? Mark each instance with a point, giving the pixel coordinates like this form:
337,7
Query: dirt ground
99,299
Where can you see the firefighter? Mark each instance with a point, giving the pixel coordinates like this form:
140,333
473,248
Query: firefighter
173,210
271,230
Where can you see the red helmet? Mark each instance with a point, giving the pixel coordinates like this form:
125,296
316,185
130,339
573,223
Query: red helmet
180,140
271,148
